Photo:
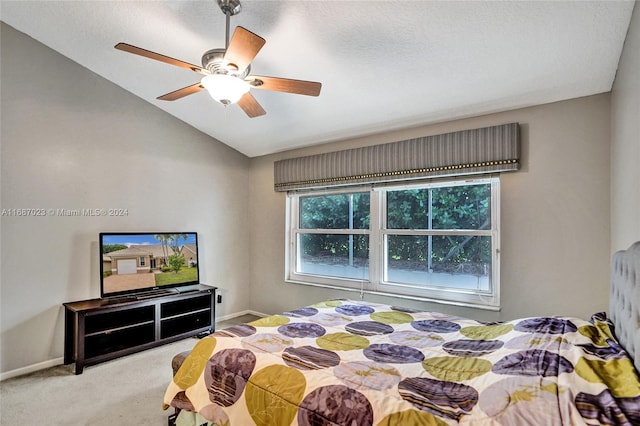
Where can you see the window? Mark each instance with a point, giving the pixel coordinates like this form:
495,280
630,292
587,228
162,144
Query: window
142,261
435,241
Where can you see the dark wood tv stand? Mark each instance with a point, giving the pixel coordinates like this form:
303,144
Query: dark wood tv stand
98,330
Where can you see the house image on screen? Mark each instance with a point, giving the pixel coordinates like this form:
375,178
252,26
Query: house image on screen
135,259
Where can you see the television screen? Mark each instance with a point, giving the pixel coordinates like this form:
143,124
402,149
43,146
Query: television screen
135,262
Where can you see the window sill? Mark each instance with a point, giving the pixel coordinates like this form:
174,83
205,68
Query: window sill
486,307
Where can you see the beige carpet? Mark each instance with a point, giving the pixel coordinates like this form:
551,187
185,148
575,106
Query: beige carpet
123,392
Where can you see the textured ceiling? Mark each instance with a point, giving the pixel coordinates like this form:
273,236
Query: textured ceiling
383,64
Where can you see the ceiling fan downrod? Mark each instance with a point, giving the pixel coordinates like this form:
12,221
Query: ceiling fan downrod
229,8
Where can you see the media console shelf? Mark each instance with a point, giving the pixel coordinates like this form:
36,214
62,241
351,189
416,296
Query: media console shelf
98,330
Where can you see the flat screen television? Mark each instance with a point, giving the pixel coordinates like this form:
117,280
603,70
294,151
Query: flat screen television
134,263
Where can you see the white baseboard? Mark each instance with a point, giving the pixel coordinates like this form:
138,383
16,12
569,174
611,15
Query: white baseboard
31,368
239,314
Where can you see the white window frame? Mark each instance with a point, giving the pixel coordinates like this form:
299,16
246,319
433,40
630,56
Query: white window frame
292,232
374,282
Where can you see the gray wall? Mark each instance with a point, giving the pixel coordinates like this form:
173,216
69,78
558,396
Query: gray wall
73,140
554,215
625,142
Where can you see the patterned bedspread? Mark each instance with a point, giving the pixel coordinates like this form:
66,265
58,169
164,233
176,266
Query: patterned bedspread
344,362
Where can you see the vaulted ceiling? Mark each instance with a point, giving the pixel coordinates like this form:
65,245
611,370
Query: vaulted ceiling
383,65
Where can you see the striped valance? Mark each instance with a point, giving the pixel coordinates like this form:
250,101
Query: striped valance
486,150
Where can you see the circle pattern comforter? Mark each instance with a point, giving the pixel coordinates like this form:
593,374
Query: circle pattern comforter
342,362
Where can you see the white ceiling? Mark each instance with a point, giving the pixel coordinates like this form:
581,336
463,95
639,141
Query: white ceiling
383,64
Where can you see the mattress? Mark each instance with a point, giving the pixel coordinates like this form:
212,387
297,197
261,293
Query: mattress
346,362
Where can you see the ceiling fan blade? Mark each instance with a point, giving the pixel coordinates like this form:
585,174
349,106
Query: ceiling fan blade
300,87
250,106
158,57
181,93
243,47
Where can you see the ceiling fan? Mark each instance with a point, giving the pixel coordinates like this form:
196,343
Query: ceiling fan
226,71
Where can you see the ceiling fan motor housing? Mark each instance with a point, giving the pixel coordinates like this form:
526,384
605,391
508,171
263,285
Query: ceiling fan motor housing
213,61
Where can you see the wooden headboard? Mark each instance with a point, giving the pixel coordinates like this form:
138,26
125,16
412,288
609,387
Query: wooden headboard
624,300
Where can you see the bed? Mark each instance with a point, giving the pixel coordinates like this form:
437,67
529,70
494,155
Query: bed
347,362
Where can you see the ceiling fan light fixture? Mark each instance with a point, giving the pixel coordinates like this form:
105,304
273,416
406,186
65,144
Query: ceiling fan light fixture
224,88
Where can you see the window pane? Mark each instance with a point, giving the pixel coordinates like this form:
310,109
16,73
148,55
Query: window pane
462,207
408,209
456,261
345,256
332,211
